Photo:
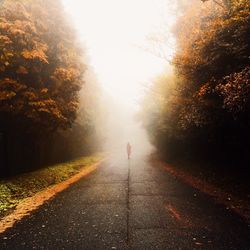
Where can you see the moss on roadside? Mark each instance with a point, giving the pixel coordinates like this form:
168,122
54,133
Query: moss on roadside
15,189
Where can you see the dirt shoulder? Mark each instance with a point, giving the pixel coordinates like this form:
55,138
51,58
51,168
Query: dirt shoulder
217,190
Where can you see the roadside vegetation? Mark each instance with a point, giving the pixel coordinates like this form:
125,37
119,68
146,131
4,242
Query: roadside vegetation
17,188
201,112
48,102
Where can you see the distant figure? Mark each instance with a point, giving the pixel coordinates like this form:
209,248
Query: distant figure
129,150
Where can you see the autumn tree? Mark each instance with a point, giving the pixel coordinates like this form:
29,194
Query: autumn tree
217,45
87,133
41,74
40,65
209,110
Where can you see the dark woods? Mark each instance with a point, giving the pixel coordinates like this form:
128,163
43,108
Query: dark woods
202,111
41,74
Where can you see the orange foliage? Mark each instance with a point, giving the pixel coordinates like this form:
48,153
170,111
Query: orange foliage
40,64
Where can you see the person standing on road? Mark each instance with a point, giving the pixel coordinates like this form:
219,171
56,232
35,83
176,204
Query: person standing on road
129,148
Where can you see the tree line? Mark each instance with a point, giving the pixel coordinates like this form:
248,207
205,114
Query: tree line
202,109
42,71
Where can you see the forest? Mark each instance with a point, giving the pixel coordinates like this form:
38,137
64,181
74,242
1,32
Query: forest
42,74
51,106
201,110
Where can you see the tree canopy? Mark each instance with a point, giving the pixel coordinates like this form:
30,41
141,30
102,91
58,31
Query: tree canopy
40,65
206,102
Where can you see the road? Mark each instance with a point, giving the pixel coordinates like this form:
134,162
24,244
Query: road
129,205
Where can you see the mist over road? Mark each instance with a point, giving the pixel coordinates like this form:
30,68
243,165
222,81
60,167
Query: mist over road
129,205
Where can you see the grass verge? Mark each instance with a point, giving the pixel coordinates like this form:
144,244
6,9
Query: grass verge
17,188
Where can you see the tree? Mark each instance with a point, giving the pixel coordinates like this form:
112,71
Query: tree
40,65
41,74
209,110
213,45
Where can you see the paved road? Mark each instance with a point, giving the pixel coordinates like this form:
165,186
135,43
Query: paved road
129,205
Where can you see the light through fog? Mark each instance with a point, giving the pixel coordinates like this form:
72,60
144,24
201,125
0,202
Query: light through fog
114,32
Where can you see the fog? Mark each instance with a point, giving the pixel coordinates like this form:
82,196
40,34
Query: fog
115,123
123,127
122,61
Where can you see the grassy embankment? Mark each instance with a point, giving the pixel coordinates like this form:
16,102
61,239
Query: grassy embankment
17,188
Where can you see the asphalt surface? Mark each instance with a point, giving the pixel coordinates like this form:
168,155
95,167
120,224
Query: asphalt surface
129,205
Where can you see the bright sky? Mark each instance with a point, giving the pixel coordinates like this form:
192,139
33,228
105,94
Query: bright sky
114,31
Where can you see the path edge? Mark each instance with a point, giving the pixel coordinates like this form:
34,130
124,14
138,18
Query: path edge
30,204
215,193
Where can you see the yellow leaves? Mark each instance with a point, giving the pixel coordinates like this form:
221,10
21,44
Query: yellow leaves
44,103
22,70
27,54
235,91
6,95
5,40
35,55
40,46
196,25
26,26
9,54
204,90
44,110
44,91
30,95
72,106
4,25
15,31
10,84
33,34
64,74
60,73
47,107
